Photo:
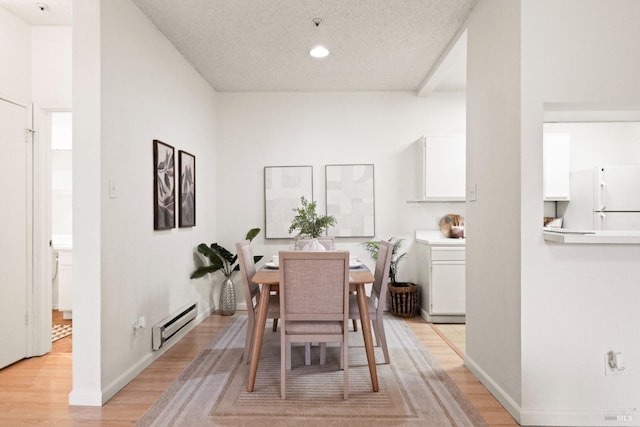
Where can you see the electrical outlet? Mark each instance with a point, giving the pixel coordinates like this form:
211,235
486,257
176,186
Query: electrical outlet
613,363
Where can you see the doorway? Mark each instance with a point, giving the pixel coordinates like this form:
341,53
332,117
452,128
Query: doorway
61,195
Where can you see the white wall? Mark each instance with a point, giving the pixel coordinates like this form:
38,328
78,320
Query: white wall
15,55
601,143
576,301
279,129
493,221
51,66
133,87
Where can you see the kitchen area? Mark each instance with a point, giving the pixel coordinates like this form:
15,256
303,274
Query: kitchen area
440,253
591,196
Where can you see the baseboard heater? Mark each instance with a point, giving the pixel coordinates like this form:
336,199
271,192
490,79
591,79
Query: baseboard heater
170,325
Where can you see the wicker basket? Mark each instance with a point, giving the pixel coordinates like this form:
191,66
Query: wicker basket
404,299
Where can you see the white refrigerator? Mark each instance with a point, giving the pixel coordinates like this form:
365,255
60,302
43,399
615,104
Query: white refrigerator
616,197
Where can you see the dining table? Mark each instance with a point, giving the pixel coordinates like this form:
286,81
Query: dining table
269,279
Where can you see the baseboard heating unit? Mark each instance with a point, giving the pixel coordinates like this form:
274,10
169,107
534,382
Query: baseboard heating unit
170,325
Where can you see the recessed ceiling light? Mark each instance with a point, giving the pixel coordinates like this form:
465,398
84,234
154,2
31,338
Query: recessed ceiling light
319,52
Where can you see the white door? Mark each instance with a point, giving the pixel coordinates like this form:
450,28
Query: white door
14,229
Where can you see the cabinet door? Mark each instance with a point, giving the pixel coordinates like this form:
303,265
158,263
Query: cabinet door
557,166
444,168
447,288
65,273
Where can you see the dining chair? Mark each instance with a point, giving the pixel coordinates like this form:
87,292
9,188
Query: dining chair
252,295
314,304
329,243
377,301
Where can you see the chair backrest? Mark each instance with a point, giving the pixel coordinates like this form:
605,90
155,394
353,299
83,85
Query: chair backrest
326,241
314,286
247,270
381,276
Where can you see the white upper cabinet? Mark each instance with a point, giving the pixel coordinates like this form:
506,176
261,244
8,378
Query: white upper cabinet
442,168
557,165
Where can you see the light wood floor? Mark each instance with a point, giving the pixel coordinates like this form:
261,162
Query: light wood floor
35,391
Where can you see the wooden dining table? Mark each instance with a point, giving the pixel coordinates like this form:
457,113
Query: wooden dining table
270,281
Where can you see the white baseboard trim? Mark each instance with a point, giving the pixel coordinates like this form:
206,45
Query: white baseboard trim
99,399
498,392
586,418
628,417
85,398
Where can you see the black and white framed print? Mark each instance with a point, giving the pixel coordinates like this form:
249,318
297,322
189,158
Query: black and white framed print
187,189
350,199
283,188
163,186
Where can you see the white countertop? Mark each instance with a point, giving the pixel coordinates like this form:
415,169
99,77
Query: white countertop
435,237
62,242
564,235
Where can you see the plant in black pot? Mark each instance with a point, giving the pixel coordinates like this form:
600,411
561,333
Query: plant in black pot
403,295
221,259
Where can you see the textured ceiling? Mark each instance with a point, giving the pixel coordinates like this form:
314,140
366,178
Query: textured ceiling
263,45
56,12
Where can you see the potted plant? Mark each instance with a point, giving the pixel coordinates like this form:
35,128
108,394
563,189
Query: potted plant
374,246
403,295
220,259
308,223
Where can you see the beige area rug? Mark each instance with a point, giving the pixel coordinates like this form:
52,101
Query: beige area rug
414,390
60,331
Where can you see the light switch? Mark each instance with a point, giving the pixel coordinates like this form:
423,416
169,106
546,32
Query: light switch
472,193
113,193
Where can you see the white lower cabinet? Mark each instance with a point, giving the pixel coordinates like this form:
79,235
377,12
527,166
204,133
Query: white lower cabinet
441,274
65,272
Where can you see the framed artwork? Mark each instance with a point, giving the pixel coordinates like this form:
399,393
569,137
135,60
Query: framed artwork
283,187
350,199
163,186
187,189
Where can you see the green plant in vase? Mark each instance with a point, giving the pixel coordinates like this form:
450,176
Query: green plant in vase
374,246
403,295
221,259
308,222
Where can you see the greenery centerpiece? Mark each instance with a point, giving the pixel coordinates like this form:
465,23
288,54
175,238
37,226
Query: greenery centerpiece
221,259
308,222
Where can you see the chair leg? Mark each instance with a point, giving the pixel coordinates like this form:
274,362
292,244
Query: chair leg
288,355
344,361
381,338
275,325
285,347
355,325
323,353
307,353
248,341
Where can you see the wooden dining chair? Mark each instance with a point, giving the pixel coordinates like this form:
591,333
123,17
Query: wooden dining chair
252,295
377,302
314,304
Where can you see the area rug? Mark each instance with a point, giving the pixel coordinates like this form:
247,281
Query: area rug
60,331
413,389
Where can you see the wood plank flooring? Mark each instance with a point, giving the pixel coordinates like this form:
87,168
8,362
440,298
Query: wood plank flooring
35,391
